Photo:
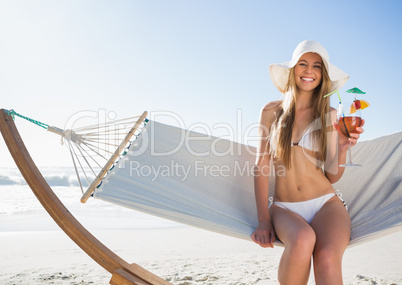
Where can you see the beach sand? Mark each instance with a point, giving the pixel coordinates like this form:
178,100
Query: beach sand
34,251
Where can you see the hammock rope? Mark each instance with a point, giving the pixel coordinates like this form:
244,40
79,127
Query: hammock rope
12,113
91,147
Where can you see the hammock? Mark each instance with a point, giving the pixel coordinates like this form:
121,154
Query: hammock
207,182
195,179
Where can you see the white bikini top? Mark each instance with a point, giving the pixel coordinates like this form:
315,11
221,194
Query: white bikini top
307,141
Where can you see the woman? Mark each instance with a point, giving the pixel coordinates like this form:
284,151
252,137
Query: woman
300,139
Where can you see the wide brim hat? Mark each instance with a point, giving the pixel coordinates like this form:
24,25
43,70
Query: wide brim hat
280,72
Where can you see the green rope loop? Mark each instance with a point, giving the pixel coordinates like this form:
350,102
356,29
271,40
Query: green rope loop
12,113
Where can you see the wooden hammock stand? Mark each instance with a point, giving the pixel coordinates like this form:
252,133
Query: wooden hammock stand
122,272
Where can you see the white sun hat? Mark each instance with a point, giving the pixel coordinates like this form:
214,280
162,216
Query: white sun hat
280,72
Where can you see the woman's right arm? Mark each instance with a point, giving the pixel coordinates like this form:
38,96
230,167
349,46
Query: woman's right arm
264,234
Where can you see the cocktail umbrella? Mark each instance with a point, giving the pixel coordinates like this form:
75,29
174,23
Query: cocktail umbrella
355,91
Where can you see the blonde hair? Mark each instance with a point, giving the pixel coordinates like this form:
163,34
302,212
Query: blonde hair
280,139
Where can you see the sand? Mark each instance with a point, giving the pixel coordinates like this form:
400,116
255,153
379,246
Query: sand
34,251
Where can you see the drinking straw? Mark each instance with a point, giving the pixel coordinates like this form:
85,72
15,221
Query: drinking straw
340,100
339,96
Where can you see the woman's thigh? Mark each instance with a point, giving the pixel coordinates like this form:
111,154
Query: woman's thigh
291,228
332,226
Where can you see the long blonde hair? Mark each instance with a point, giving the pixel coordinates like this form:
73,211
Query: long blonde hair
280,139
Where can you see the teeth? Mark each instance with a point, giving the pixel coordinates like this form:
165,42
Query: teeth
307,79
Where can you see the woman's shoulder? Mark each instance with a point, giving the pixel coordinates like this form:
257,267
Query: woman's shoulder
268,112
271,106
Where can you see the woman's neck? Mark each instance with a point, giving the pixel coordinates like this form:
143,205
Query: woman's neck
304,100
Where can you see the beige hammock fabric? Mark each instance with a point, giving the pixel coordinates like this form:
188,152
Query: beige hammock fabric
207,182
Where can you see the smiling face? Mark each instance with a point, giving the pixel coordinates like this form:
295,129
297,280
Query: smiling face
308,72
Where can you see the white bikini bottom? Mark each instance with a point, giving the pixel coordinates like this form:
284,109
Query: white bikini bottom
308,209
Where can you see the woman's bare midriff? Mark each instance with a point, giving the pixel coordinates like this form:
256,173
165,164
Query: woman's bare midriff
303,181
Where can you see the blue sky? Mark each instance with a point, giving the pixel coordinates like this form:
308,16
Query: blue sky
204,61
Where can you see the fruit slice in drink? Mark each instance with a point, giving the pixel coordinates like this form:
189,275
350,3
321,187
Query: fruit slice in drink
357,105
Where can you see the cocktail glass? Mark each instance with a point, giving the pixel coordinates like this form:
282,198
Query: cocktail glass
347,125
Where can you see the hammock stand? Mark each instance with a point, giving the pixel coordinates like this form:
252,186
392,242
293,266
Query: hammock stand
122,272
222,205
